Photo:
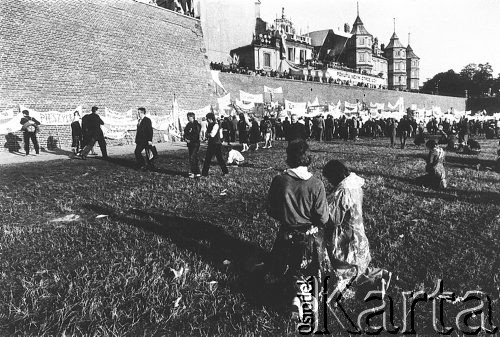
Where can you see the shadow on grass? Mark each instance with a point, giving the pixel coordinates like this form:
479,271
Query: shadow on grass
57,151
132,164
452,195
212,243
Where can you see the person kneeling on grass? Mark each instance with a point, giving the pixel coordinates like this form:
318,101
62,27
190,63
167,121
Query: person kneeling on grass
345,239
235,158
297,200
436,173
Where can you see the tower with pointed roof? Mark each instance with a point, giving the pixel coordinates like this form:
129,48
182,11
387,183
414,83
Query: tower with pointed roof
358,54
412,68
395,53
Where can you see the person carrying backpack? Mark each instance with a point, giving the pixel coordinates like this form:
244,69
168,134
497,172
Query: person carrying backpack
30,129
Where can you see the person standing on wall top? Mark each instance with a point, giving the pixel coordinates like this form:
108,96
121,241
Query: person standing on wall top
192,137
143,139
30,129
214,146
91,126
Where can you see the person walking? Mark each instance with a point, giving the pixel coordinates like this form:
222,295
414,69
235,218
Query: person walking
30,129
214,147
143,139
192,138
91,126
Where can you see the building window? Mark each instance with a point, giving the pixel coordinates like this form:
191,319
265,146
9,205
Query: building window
361,57
398,53
361,41
302,56
290,54
267,60
401,79
397,66
403,66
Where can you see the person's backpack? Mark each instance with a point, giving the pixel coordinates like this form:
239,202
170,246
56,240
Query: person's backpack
30,127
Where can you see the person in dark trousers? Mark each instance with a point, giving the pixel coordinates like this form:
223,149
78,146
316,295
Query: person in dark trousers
393,130
192,138
143,139
91,126
234,128
405,130
76,133
214,146
296,130
30,129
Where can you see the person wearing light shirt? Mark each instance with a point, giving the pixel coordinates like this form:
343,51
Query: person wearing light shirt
235,158
214,147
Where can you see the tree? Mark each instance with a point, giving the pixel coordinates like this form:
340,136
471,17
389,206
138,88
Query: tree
447,83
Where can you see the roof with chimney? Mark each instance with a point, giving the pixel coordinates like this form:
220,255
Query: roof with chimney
394,43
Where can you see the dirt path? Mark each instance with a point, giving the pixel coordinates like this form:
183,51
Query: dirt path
8,158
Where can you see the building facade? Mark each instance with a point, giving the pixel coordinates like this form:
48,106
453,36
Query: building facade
359,48
395,53
412,70
271,44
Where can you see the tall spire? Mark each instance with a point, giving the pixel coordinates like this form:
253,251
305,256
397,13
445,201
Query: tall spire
282,12
357,3
394,19
408,38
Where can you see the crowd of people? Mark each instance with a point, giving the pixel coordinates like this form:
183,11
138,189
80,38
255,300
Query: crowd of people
320,233
234,69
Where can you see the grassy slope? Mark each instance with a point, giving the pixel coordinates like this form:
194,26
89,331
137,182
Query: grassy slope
113,276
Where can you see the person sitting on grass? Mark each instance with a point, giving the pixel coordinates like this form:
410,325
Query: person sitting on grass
297,200
235,158
472,147
436,173
345,239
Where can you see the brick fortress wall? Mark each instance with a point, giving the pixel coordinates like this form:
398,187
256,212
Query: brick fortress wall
300,91
56,55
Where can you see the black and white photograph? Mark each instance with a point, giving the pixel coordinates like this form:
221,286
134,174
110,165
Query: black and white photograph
249,167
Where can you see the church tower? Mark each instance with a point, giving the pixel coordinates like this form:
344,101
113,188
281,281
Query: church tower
395,53
412,68
359,48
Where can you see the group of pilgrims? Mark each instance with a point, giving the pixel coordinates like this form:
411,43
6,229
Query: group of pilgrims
320,233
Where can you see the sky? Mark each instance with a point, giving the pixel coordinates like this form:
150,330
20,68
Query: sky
445,34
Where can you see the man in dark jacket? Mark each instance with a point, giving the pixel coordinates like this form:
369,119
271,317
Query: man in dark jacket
143,139
91,127
192,138
405,130
296,130
30,129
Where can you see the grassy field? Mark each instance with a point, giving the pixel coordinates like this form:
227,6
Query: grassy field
115,275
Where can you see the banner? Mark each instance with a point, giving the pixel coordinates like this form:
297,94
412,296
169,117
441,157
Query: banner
216,79
294,108
350,106
224,102
273,91
246,107
354,78
53,117
398,106
313,103
251,98
377,106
